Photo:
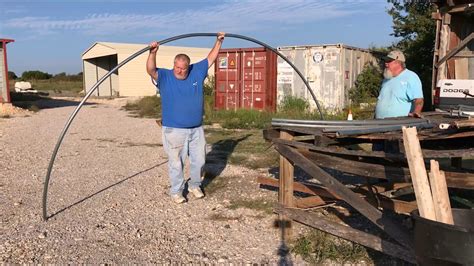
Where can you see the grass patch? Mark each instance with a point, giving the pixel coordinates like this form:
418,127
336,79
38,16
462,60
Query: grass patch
149,106
247,148
318,247
256,204
216,183
242,119
69,87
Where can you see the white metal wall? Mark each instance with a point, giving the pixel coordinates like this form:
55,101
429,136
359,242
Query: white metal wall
94,69
331,70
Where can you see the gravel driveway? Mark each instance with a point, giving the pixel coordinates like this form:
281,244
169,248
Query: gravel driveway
109,200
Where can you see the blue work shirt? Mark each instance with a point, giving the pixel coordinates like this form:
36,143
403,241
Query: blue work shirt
397,95
182,101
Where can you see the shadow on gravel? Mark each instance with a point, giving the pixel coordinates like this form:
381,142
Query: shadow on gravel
37,102
218,157
106,188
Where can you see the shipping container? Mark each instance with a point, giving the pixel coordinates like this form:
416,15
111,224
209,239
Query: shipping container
331,71
4,86
245,78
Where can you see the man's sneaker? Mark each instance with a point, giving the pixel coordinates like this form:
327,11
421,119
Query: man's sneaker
197,192
178,198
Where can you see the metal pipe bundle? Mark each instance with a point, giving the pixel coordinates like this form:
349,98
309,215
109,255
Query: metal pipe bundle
355,127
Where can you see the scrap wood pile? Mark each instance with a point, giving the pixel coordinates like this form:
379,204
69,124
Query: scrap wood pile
383,179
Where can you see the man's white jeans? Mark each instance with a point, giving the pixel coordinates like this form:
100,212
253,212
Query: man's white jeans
178,144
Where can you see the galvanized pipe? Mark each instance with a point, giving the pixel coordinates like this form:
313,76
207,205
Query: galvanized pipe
74,113
394,121
362,131
336,127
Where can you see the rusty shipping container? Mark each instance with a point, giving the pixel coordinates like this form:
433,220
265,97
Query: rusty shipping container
245,78
331,71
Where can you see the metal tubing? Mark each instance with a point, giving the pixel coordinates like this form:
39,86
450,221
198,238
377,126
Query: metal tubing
74,113
362,131
336,127
351,122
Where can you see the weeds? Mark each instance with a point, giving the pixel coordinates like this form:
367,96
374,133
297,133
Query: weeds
149,106
318,247
255,204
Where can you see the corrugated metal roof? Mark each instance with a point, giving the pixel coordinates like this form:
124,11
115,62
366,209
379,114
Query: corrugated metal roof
338,45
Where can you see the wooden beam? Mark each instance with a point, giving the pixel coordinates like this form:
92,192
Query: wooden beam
397,206
337,150
309,202
394,174
348,233
439,189
419,177
300,187
351,198
285,193
455,50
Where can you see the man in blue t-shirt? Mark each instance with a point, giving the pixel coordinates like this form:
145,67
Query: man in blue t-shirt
182,105
401,93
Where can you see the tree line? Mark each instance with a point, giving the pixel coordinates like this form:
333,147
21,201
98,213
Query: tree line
416,31
39,75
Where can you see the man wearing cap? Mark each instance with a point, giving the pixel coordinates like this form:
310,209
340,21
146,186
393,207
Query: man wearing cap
401,93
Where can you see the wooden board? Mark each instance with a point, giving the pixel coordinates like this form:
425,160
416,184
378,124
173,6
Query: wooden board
351,198
348,233
440,193
418,173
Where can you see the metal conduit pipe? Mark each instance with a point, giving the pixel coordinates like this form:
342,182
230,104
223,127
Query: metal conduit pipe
334,128
352,132
343,126
74,113
351,122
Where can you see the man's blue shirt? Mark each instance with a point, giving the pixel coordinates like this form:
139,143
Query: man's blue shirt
182,101
397,95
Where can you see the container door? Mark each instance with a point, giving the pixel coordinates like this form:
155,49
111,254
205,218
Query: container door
254,67
227,81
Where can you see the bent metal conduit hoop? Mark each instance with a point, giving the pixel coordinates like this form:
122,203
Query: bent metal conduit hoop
74,113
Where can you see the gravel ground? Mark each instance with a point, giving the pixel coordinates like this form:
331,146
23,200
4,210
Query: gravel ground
109,200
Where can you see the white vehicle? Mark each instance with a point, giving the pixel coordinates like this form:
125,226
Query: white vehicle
451,93
24,86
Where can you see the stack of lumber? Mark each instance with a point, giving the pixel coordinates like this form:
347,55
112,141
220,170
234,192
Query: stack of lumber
431,193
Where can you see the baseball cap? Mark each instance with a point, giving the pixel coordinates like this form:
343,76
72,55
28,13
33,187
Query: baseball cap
395,55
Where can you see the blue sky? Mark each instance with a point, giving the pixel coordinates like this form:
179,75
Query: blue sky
52,35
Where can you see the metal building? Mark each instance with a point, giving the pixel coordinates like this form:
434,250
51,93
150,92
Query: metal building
331,70
132,78
4,86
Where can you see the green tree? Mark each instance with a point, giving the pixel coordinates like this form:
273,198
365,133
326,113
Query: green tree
413,24
12,75
35,74
367,84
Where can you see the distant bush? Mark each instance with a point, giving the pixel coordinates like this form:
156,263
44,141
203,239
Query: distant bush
12,75
35,75
292,104
65,77
367,85
209,86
